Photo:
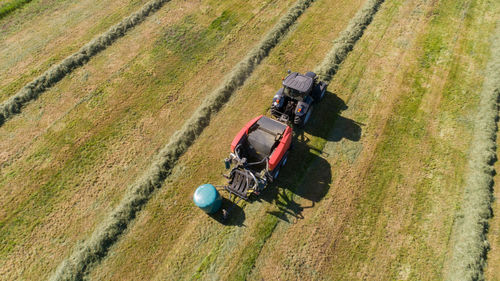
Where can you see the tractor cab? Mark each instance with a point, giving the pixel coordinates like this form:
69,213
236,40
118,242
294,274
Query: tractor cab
297,86
294,101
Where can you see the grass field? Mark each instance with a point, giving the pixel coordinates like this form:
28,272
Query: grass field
31,201
371,191
7,7
57,28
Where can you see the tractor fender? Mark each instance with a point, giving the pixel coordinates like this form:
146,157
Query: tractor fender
311,74
302,108
279,99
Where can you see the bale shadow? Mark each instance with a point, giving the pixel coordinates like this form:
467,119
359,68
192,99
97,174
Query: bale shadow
236,217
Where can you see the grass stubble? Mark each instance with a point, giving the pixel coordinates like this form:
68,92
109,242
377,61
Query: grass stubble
49,78
92,250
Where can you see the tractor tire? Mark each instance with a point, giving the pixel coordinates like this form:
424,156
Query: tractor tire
301,121
319,93
285,158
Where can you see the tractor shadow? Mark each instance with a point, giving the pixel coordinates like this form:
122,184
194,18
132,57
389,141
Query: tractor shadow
308,176
328,123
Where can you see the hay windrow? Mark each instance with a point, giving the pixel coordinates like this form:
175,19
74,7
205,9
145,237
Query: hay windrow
344,44
470,247
57,72
106,234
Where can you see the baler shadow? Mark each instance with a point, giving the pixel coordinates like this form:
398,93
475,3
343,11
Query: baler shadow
308,174
310,182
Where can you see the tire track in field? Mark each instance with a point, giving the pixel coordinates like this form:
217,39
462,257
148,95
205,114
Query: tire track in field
56,73
469,251
104,236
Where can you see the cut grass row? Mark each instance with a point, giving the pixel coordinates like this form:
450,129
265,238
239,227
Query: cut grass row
343,45
419,238
431,57
55,30
470,244
49,78
492,270
11,6
110,137
200,257
388,215
139,193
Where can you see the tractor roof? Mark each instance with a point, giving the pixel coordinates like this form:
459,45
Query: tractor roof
298,82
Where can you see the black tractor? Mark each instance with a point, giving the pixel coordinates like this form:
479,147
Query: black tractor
294,101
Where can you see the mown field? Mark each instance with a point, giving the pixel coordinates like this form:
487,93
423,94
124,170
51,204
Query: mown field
373,190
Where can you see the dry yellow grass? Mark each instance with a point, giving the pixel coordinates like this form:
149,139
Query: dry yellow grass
55,30
67,135
377,203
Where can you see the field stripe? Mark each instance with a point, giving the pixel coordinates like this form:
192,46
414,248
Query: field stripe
468,256
97,246
10,7
57,72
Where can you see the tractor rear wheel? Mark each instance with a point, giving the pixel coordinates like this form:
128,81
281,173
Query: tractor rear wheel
322,94
319,92
285,158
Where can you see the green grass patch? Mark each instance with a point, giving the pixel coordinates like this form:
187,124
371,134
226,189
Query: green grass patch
189,40
408,140
11,6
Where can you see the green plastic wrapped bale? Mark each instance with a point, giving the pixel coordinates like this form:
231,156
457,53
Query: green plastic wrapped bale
207,198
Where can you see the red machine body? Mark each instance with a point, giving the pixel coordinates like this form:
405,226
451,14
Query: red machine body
282,136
